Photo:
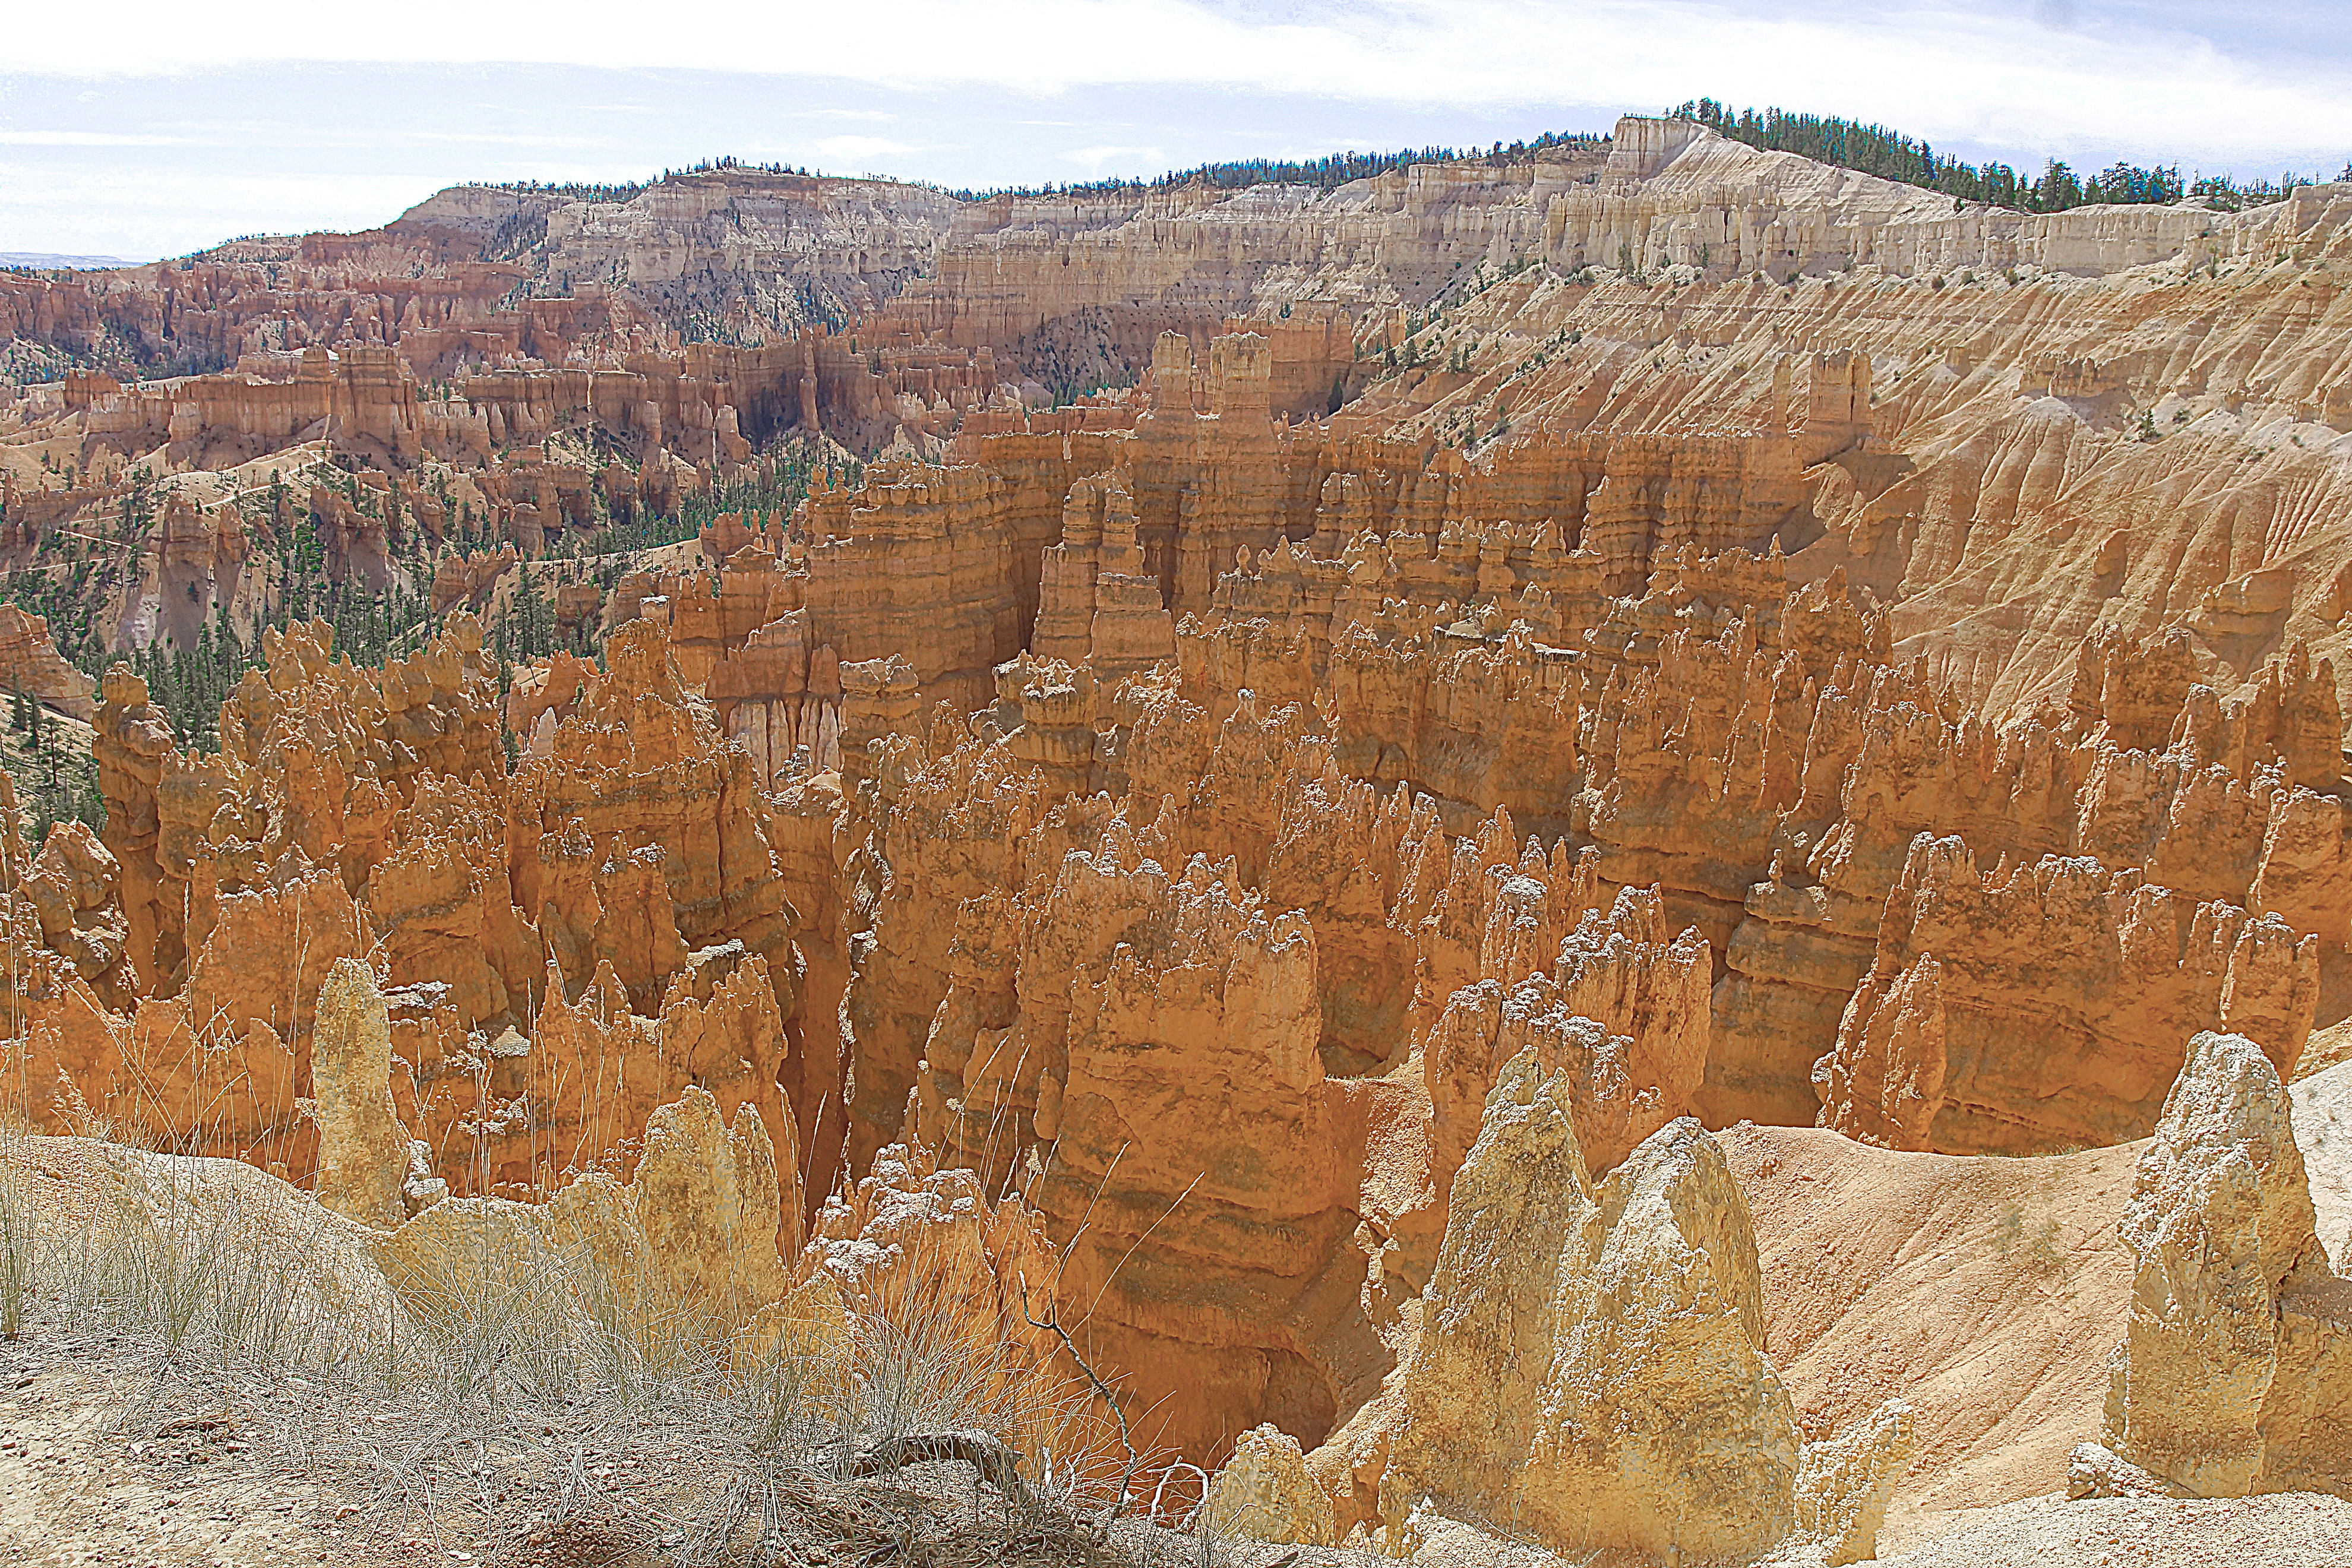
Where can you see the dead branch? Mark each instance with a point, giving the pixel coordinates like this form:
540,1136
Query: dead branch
1053,1323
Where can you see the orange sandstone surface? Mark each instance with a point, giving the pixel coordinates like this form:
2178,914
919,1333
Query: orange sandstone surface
1639,761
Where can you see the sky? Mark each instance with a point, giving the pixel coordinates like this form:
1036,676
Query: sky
144,129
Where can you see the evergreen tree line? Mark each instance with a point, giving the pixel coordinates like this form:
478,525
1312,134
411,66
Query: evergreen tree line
578,190
775,480
1870,149
629,190
189,684
1891,155
58,783
1323,174
529,631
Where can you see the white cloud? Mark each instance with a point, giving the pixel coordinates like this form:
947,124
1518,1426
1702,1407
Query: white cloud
140,213
985,93
313,137
850,149
85,138
1093,158
1946,69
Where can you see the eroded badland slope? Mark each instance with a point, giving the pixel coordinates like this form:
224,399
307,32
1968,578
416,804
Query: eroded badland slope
1633,848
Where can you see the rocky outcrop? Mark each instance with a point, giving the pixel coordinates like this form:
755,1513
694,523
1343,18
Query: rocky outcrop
928,563
2094,1469
1264,1493
1623,1013
715,1201
74,887
1591,1361
688,1248
468,579
2235,1374
1843,1483
2034,1012
1522,656
31,664
633,853
362,1148
937,1274
1178,987
1099,605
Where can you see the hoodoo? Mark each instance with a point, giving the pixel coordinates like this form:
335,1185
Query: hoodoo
1633,847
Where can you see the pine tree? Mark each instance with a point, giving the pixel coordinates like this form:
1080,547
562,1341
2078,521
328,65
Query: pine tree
530,616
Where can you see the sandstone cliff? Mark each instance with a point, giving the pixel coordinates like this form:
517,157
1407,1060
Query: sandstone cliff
1257,767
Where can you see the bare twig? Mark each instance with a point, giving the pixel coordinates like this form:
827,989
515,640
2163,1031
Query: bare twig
1053,1324
1159,1491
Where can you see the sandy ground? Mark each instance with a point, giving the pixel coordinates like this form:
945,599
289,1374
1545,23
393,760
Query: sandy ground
2295,1530
1987,1291
97,1469
84,1481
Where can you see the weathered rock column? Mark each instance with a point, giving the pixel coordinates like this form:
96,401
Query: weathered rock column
362,1148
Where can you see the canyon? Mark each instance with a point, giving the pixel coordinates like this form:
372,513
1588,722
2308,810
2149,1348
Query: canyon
1342,790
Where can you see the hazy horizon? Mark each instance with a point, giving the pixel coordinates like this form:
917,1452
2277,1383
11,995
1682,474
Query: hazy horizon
283,123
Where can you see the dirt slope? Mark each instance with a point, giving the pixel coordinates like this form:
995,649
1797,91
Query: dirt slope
1987,1291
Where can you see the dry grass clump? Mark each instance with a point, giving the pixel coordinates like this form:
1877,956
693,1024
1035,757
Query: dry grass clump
532,1402
177,1257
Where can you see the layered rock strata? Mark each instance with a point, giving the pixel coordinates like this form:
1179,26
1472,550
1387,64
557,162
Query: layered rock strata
1281,855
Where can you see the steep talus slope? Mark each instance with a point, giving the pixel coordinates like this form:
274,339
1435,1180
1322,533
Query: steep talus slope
1985,1291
